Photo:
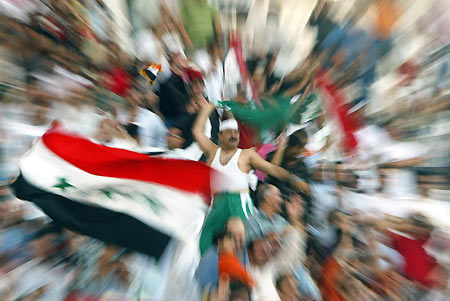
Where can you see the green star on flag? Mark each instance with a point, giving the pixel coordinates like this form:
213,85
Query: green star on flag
156,206
63,184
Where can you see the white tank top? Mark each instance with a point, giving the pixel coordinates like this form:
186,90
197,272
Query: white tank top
231,178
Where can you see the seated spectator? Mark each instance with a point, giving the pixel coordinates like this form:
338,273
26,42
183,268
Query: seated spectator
207,273
173,94
267,219
286,239
232,238
291,155
196,102
420,267
151,129
260,254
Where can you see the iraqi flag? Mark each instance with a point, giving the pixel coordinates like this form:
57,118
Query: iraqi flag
120,197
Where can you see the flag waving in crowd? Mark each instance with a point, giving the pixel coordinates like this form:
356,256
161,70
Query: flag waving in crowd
120,197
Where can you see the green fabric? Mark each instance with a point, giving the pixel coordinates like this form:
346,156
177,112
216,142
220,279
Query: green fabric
275,115
225,205
198,18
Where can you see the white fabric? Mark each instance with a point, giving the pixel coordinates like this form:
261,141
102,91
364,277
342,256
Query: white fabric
325,201
232,75
179,208
397,260
152,131
61,82
291,253
148,49
172,42
23,9
229,124
374,141
437,211
193,152
214,83
264,289
234,179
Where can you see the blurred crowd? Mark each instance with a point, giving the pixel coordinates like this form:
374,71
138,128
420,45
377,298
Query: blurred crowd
361,115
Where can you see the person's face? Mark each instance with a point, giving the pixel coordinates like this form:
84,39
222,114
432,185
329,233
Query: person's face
174,138
274,241
289,289
229,139
274,199
293,152
261,252
227,244
236,228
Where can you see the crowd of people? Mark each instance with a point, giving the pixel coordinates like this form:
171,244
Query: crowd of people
334,174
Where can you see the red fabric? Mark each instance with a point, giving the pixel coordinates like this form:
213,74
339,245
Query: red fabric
249,137
193,75
328,283
119,81
409,69
54,28
236,45
230,265
418,264
335,104
77,296
186,175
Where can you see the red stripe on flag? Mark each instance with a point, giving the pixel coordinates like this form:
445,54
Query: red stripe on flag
335,102
236,45
100,160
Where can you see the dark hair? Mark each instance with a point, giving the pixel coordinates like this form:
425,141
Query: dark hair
236,287
179,127
261,193
52,228
132,130
298,138
420,220
219,236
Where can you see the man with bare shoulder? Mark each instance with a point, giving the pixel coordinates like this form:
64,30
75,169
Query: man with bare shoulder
231,194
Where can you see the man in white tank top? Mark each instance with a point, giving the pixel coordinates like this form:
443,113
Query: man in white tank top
231,193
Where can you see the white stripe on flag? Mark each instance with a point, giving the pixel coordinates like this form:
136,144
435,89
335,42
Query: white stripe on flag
167,209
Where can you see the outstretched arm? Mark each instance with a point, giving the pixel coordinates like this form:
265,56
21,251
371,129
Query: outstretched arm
276,171
198,131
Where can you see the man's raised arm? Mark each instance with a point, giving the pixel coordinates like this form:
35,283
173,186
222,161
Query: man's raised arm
206,145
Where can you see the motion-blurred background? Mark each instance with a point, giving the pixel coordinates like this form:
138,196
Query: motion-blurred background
377,116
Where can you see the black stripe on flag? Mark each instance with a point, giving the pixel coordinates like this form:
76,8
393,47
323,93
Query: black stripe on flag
109,226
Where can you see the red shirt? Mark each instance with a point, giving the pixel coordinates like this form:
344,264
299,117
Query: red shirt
418,264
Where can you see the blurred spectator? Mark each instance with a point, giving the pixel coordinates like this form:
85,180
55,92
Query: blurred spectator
201,23
287,288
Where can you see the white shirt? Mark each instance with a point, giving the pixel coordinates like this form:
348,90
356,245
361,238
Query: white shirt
152,130
264,289
291,253
214,83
